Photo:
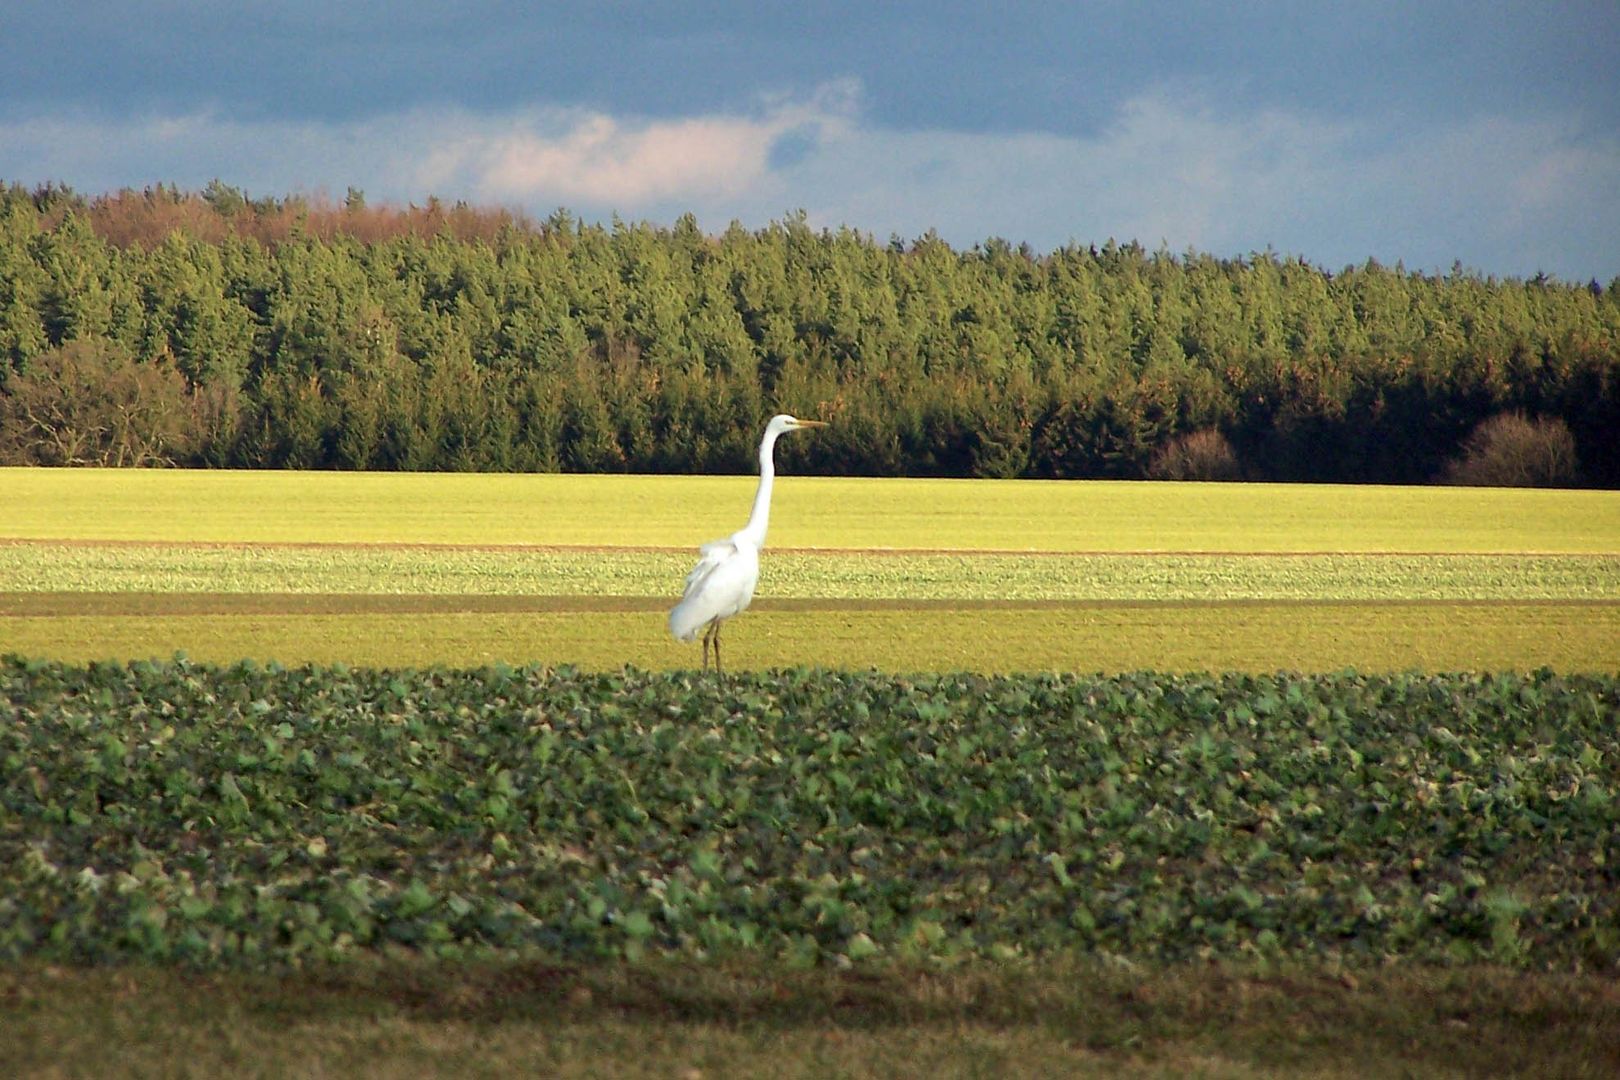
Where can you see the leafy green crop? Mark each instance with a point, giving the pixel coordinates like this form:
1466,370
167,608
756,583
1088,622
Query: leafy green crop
866,575
253,815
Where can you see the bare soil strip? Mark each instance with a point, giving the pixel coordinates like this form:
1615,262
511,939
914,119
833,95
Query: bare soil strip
683,549
45,604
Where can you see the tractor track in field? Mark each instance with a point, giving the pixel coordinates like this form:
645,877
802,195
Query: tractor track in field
56,604
685,549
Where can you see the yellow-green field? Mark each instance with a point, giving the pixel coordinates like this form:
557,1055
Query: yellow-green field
413,569
809,512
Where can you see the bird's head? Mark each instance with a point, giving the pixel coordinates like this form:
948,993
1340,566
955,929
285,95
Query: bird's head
783,422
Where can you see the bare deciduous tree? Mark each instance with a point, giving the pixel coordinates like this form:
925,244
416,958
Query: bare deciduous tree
89,403
1198,455
1511,450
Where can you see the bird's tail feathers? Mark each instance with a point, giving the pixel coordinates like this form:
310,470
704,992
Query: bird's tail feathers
685,620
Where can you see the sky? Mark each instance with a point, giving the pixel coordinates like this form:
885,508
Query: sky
1430,134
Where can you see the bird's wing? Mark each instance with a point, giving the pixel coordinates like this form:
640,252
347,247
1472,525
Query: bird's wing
718,586
710,555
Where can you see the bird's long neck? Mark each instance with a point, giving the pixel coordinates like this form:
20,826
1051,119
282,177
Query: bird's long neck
760,519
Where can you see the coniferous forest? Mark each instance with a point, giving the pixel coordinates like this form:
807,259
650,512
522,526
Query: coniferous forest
165,327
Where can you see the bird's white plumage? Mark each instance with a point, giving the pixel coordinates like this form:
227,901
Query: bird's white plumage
719,586
722,583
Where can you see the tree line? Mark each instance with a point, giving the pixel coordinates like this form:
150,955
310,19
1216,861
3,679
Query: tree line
211,329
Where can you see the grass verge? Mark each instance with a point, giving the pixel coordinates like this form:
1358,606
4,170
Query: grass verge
1073,1018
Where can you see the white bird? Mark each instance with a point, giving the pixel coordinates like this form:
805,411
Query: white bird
723,581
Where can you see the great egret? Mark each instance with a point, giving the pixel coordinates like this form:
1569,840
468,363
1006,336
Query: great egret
723,581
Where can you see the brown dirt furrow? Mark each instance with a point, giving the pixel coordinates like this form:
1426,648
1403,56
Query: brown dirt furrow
682,549
48,604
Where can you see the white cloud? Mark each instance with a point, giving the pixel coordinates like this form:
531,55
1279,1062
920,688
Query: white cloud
562,157
1510,195
602,161
1162,171
599,160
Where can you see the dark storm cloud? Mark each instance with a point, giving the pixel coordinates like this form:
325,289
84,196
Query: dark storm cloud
1486,132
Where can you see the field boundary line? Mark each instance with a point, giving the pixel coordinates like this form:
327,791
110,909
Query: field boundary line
684,549
27,605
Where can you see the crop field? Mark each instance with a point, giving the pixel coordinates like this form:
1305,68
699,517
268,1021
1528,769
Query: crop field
263,814
430,785
897,575
661,511
997,873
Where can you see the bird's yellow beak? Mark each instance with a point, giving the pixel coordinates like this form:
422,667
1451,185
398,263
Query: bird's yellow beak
812,423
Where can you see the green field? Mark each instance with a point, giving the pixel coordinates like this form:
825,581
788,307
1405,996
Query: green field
908,576
1463,840
895,574
263,870
1253,637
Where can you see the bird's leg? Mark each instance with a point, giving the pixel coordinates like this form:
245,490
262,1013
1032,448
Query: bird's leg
717,646
709,633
